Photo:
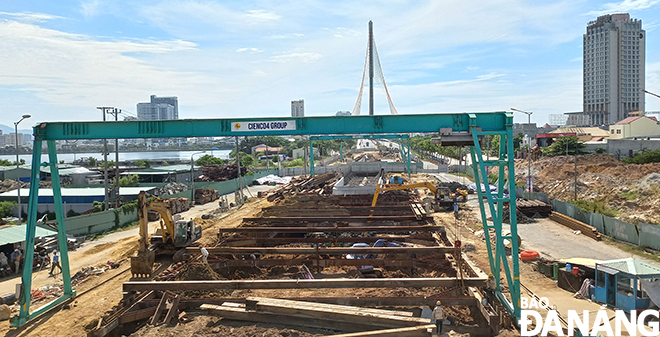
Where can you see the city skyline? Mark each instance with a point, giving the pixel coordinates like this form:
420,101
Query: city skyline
250,59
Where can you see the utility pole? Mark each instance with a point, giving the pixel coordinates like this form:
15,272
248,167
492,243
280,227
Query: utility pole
116,113
238,162
105,159
371,67
575,171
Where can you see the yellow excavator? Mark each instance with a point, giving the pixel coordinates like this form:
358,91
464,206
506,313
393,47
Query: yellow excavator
169,237
442,196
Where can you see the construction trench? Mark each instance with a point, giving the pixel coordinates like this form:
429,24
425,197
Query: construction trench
295,264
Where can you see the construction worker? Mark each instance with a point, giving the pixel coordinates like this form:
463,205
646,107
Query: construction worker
490,284
16,259
439,317
56,263
455,208
205,254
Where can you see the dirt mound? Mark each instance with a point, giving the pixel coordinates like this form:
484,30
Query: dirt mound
197,271
650,180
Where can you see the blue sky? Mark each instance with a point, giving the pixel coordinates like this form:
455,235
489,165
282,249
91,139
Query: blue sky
62,59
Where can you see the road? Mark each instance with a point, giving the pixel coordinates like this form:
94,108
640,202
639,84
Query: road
93,253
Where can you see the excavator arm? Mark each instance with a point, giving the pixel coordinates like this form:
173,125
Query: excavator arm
142,263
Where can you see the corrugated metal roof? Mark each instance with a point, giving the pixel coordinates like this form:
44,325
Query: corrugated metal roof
14,234
632,266
72,192
628,120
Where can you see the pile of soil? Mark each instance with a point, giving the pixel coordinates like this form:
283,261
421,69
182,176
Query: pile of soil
197,271
632,190
461,314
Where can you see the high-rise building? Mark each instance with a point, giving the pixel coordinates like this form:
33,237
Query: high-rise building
159,108
298,108
614,57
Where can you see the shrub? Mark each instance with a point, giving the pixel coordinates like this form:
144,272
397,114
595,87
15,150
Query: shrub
6,207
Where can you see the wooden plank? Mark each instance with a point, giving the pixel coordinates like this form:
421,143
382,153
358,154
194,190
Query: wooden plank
240,314
252,301
339,315
376,229
137,315
414,331
161,306
324,251
174,309
413,301
301,284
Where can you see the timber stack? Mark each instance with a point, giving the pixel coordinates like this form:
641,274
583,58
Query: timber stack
573,224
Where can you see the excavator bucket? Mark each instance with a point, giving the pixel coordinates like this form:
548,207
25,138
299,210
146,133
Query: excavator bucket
142,264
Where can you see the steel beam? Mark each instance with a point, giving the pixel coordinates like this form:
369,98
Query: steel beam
376,229
318,125
348,218
248,241
263,263
303,284
324,251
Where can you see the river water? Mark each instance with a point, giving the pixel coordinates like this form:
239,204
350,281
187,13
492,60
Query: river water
124,156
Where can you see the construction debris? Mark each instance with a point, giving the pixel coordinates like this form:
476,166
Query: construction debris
171,188
521,218
320,184
533,207
205,195
220,173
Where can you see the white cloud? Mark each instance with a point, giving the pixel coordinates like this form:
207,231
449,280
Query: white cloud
285,36
90,8
205,19
261,16
75,70
296,57
251,50
623,7
29,16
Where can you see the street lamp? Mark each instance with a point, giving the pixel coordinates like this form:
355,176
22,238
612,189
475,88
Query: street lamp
20,207
650,93
529,154
192,176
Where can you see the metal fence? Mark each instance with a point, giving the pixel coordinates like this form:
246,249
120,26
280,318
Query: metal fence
641,234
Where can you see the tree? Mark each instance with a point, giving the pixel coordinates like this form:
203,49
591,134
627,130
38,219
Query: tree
208,159
559,147
6,207
247,143
601,150
143,163
517,140
644,157
6,162
247,160
111,163
91,162
130,181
